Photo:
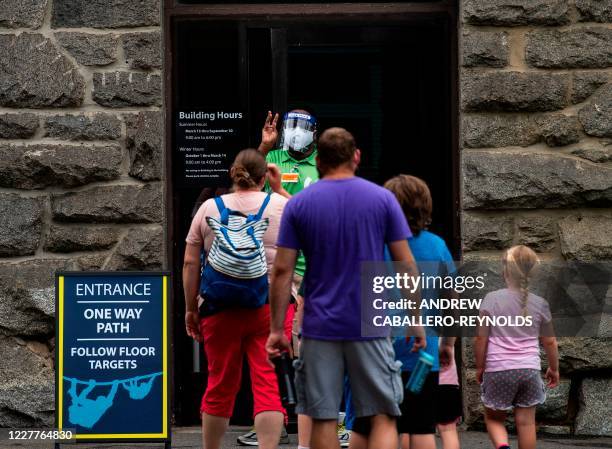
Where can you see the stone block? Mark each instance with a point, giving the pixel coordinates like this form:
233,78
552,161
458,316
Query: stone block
110,204
89,49
513,91
486,231
119,89
144,143
589,48
507,180
143,50
499,130
97,126
537,232
65,239
585,84
27,296
43,165
584,354
34,74
594,154
595,412
18,126
27,390
516,12
105,14
595,115
25,311
560,130
91,262
594,10
586,237
36,275
485,48
140,250
22,14
20,224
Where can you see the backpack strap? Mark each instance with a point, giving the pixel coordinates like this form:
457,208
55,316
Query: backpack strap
258,215
223,211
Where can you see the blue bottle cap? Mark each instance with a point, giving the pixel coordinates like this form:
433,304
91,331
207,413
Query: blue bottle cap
426,357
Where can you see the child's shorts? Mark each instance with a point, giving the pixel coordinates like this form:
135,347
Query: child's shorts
418,411
504,390
449,408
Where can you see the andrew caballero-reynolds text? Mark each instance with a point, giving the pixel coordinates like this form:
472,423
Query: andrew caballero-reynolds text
398,311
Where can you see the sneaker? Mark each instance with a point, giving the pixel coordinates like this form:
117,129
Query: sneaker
344,435
250,438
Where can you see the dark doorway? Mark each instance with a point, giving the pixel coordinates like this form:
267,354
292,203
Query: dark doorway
390,81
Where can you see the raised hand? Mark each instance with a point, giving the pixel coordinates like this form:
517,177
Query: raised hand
269,133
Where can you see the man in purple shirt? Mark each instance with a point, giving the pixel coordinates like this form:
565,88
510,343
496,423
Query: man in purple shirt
338,223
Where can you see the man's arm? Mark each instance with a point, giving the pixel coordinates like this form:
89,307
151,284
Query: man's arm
191,284
269,134
400,252
280,295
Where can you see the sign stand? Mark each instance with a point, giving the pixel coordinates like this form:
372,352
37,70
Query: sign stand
112,357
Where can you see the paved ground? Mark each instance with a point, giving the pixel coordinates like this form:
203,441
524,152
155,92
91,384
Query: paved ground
189,438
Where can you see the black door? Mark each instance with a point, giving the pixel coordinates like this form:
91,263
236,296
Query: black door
388,82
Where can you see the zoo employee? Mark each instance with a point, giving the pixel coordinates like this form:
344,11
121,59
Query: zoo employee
296,154
292,167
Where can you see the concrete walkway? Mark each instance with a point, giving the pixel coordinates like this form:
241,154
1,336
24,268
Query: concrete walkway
189,438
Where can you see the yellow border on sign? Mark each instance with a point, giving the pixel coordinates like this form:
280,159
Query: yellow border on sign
60,368
60,362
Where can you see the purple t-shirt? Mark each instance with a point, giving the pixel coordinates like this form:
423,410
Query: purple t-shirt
338,224
513,347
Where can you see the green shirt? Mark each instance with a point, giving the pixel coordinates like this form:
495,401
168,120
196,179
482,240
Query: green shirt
295,177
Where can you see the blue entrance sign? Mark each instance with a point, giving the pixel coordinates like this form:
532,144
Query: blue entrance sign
112,355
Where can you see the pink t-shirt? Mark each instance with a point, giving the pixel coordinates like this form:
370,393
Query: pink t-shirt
514,347
448,375
247,202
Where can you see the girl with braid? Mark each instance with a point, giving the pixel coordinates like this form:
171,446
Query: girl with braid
508,357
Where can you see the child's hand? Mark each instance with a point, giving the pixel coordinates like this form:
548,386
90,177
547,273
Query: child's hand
420,342
446,356
552,378
479,374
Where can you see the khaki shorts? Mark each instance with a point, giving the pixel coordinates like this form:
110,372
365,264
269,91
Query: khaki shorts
374,376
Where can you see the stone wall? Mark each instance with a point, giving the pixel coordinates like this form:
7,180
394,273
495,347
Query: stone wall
80,169
536,138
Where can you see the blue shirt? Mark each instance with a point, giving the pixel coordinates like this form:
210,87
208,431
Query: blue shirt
339,224
426,247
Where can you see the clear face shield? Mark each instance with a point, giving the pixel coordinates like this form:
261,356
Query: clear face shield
298,131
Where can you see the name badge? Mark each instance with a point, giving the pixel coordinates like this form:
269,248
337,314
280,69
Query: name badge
290,177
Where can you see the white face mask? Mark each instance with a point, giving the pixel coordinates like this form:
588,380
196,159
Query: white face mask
297,139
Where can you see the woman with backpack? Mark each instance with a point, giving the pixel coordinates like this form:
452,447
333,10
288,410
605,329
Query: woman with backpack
226,299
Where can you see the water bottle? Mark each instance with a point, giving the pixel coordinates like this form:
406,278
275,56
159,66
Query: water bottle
420,372
284,375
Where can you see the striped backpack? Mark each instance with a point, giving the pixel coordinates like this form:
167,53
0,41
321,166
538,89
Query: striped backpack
235,273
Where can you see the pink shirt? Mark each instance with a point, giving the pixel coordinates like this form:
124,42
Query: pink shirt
514,347
448,375
247,202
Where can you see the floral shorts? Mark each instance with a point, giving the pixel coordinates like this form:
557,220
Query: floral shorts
503,390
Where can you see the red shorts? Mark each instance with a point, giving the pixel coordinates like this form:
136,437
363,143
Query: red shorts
228,336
